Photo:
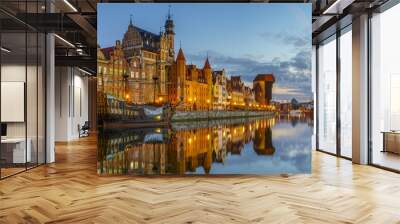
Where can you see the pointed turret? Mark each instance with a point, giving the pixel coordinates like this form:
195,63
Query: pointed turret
181,71
181,56
208,75
207,64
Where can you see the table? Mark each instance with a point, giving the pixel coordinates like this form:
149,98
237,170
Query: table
15,148
391,141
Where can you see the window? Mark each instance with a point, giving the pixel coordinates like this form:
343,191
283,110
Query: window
327,95
22,76
385,89
346,93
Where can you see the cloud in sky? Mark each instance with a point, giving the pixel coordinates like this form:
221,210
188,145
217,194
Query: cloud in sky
279,42
298,41
293,76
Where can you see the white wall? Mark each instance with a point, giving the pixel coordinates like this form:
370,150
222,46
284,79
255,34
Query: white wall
71,102
16,73
80,112
33,126
11,73
61,103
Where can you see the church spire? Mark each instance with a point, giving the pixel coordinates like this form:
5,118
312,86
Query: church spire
169,23
130,20
207,64
169,11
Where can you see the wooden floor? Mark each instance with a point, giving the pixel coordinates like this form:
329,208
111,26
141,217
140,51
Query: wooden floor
70,191
387,159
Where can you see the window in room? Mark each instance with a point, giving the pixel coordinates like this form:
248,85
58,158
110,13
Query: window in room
327,95
385,89
346,92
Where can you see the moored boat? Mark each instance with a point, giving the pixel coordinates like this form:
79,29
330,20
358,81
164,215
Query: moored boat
115,113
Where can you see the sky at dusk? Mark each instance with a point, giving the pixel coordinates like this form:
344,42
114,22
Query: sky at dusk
246,39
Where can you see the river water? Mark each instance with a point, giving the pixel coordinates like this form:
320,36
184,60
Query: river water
239,146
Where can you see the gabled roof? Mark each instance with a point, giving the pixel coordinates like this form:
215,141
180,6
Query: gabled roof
236,83
236,78
107,52
147,33
217,72
100,55
150,40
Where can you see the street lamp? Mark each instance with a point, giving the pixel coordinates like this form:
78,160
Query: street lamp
155,79
125,78
208,108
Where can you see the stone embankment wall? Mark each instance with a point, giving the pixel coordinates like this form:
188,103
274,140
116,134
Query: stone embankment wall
212,115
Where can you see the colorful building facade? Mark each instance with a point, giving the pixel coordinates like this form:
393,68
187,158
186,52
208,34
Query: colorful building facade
249,97
150,56
236,88
142,69
220,92
190,87
113,68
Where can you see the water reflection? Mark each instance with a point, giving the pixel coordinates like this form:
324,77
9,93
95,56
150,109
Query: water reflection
240,146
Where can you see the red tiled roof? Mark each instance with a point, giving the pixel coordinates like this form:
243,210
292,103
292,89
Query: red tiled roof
265,77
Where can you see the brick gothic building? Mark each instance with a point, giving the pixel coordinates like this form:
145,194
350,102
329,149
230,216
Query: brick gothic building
142,69
190,87
112,69
262,86
146,58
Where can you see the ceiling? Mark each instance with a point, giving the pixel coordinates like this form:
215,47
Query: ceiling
76,21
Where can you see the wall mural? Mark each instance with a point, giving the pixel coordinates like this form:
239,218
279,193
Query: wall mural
204,89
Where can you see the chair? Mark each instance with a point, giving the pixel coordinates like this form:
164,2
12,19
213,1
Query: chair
84,130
